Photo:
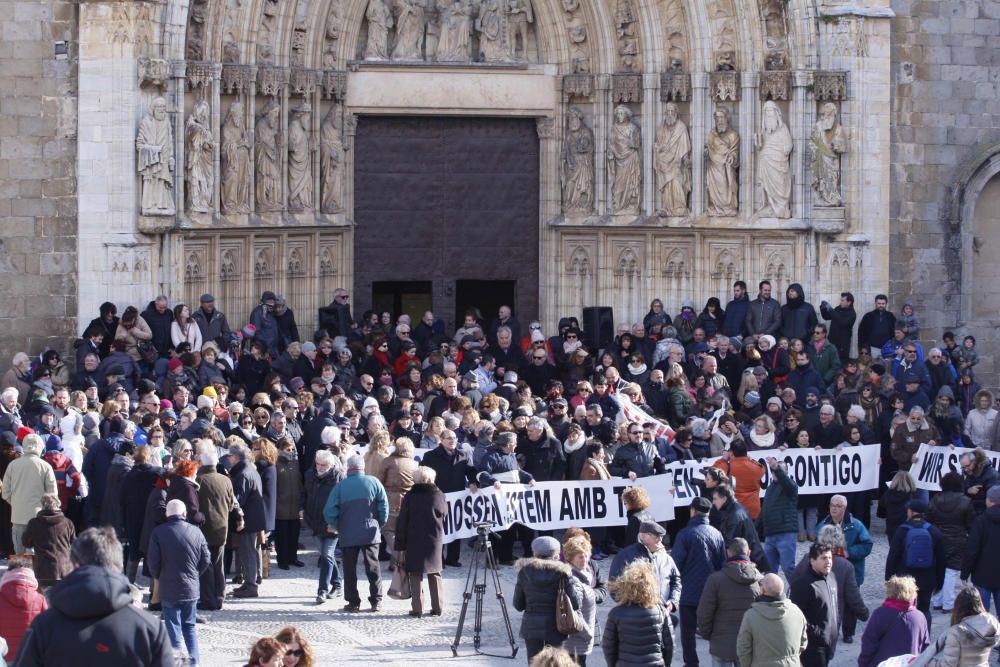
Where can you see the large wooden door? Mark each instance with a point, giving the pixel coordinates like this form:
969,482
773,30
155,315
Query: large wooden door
443,200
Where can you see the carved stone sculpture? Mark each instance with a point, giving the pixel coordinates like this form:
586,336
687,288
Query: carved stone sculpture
331,163
379,21
827,143
519,16
200,160
625,162
155,145
410,28
455,40
300,180
235,161
722,182
672,162
268,159
578,165
492,36
773,168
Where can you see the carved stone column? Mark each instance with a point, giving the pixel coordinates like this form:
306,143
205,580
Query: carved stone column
602,121
549,196
651,114
749,109
799,125
349,131
699,122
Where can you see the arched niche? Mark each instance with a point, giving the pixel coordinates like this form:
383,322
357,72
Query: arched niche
975,210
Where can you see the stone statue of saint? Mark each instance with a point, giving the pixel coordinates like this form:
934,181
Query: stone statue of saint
331,163
578,165
267,155
200,160
492,36
519,15
455,41
300,150
379,21
774,148
625,162
827,143
155,145
721,180
235,161
410,28
672,162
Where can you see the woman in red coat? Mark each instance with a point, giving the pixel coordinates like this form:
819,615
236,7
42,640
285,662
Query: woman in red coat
20,602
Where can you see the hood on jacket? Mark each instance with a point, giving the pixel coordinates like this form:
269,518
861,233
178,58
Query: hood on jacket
742,572
544,564
797,301
771,609
33,445
90,592
946,391
19,586
980,630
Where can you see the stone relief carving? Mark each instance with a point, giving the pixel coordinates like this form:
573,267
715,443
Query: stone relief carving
327,263
200,160
334,85
263,266
155,147
489,24
199,75
379,22
331,162
154,71
266,34
300,151
775,86
455,36
195,42
410,27
776,34
722,18
577,85
628,39
303,81
272,80
267,160
675,86
194,262
626,88
672,163
236,79
519,18
827,143
235,161
331,36
229,264
774,146
830,86
578,263
625,162
722,181
725,86
577,165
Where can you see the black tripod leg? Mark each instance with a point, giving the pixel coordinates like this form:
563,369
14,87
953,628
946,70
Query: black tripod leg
470,580
492,567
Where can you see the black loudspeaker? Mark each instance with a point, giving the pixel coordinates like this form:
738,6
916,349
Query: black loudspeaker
598,327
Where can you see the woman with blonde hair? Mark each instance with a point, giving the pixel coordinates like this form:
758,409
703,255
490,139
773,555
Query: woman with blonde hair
396,474
895,628
577,552
636,502
298,652
637,631
378,450
419,537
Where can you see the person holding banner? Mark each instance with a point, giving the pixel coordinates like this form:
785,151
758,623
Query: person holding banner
779,518
500,465
637,458
745,473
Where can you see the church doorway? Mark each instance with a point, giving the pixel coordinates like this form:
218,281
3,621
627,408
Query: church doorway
412,298
451,202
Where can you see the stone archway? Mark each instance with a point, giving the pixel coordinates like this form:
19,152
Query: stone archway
985,232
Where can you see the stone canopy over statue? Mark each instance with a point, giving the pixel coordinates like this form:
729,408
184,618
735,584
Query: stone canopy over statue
155,147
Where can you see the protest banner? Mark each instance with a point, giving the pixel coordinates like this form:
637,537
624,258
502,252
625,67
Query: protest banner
630,413
935,462
553,505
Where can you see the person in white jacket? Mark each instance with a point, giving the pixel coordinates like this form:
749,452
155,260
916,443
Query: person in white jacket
981,423
27,479
184,329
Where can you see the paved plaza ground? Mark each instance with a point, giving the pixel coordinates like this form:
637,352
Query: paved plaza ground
391,637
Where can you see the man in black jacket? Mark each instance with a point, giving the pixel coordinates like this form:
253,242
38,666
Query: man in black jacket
159,318
454,472
816,596
876,328
636,458
336,318
248,489
736,522
211,322
91,619
841,323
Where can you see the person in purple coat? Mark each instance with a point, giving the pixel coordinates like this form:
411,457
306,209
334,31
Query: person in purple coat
895,628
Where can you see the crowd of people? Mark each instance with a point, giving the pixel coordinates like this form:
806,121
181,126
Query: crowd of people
183,454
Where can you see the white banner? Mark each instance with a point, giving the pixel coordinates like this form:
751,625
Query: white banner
933,463
629,412
553,505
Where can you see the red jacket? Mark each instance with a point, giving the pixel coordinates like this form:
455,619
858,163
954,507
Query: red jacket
67,476
20,602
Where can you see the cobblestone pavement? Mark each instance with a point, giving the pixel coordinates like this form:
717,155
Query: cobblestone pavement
391,637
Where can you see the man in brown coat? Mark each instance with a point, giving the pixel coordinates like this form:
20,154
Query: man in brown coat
50,534
727,595
218,504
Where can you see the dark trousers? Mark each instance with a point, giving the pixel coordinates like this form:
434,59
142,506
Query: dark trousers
286,540
850,624
212,582
369,553
816,657
533,647
689,646
452,552
581,660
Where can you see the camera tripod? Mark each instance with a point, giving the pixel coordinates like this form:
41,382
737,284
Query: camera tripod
484,567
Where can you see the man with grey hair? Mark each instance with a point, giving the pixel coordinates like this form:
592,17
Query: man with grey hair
248,491
10,410
773,630
358,509
91,619
19,375
217,501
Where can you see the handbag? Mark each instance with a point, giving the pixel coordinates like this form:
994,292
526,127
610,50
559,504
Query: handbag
399,587
568,620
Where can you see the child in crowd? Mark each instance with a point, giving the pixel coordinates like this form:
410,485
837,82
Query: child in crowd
967,355
908,322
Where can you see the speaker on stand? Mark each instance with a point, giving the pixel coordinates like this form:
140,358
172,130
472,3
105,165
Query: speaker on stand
598,327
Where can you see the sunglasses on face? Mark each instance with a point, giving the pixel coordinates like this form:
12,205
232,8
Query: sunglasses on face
298,653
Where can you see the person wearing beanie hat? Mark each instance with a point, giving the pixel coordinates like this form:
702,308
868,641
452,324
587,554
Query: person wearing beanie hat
357,509
916,549
539,579
25,481
68,478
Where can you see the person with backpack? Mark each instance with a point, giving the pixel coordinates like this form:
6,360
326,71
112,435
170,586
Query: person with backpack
917,550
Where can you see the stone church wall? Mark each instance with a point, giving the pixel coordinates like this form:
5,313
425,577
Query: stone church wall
946,118
38,205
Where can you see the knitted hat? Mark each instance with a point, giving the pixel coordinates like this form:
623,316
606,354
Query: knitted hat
53,444
173,364
545,547
23,432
